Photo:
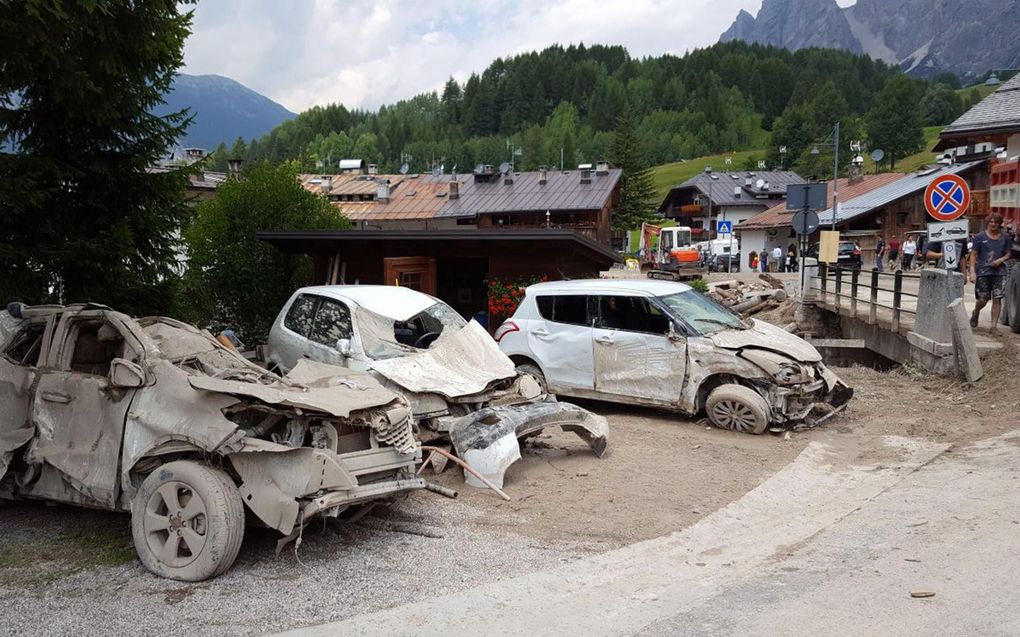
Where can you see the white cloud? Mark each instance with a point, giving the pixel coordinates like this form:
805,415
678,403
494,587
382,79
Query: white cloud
365,53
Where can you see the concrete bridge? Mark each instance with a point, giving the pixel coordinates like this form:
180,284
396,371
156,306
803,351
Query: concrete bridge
902,316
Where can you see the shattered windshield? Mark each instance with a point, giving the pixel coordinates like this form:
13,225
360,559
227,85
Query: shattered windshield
382,337
701,312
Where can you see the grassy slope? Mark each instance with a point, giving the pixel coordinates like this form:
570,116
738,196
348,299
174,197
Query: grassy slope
668,175
926,156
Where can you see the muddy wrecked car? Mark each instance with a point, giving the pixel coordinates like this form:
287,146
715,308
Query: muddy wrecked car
663,344
458,383
155,417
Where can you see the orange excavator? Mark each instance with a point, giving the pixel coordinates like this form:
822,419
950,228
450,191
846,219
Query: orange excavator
672,257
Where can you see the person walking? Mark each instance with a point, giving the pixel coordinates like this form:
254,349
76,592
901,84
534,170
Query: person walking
894,252
992,249
777,259
909,250
879,253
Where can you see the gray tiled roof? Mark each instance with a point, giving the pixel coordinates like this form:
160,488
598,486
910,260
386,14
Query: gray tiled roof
720,186
908,185
562,191
998,110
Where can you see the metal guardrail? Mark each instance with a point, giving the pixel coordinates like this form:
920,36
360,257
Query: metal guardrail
866,292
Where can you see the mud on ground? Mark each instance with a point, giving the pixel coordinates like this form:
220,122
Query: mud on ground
663,472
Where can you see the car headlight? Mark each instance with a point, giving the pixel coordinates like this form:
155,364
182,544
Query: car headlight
790,373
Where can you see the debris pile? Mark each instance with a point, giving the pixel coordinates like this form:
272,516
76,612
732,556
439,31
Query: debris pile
749,298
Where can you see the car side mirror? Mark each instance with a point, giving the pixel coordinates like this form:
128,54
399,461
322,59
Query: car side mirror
124,373
343,345
672,334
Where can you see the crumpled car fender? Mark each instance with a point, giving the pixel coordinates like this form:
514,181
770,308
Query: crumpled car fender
488,439
274,476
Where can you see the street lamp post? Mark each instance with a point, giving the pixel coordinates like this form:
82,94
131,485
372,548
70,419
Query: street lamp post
711,244
835,172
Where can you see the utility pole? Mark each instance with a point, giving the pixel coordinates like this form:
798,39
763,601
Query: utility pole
835,179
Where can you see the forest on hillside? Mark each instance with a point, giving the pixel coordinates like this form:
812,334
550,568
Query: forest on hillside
537,107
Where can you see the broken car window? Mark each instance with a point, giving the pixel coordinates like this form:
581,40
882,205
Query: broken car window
632,314
569,309
332,322
382,337
701,313
300,315
96,345
24,349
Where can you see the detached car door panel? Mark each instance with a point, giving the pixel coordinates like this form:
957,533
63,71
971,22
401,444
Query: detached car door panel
635,357
561,341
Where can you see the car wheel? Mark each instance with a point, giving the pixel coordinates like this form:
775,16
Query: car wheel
738,408
534,372
187,521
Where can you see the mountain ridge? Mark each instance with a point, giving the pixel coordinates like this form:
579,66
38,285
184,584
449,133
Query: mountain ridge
223,110
922,37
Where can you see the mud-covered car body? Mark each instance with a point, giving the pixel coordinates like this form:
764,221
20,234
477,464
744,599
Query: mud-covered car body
663,344
93,401
448,369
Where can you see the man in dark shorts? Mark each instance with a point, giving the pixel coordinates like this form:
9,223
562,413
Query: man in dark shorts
988,268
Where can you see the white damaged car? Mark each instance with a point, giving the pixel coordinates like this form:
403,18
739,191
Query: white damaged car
663,344
458,383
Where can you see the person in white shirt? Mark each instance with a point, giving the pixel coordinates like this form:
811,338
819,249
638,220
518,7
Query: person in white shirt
777,258
909,250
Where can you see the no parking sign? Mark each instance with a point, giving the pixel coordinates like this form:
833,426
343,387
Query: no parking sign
947,197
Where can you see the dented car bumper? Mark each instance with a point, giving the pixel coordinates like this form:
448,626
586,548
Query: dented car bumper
810,404
489,439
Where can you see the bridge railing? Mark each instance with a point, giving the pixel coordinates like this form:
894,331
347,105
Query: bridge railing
851,288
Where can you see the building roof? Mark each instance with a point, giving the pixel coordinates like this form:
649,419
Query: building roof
779,216
720,187
997,113
903,187
563,191
426,196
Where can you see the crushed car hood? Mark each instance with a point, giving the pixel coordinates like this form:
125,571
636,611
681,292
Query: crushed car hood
309,385
769,337
461,363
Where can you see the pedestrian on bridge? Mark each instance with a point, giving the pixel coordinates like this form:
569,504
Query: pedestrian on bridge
894,252
909,250
992,249
879,253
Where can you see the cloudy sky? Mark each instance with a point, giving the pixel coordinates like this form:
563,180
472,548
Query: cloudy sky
365,53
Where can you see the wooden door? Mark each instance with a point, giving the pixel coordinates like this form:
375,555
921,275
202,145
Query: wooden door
417,273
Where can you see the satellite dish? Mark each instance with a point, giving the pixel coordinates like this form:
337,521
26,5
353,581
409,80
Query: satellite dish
759,183
479,169
404,168
436,171
504,168
877,155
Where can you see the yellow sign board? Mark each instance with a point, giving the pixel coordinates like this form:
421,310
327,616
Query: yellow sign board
828,246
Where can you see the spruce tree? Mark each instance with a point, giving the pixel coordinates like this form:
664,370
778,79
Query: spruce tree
637,192
82,217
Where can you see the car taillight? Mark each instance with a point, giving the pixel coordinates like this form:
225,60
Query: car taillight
506,328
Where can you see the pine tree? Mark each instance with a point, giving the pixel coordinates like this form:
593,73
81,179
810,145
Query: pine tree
637,192
895,122
83,217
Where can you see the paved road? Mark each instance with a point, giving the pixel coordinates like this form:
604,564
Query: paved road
826,546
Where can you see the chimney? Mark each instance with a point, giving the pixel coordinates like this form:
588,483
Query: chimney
234,167
382,193
508,179
602,168
543,175
327,185
736,191
372,169
748,182
586,175
454,189
856,174
765,186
